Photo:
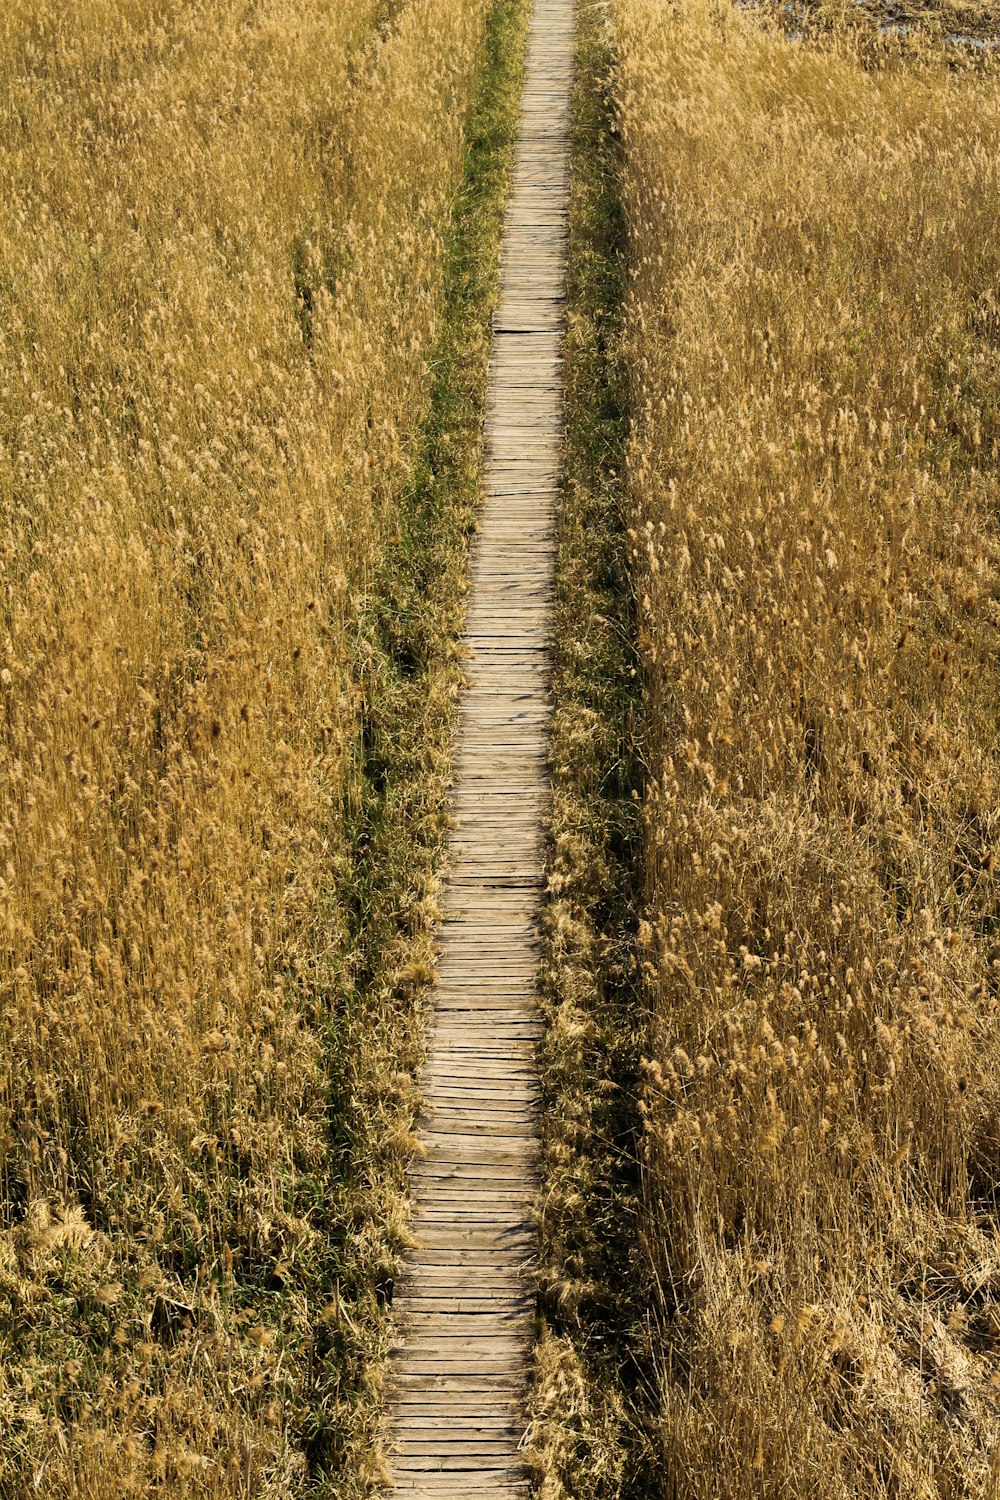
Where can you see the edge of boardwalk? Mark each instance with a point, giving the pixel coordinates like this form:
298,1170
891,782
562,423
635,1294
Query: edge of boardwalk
465,1305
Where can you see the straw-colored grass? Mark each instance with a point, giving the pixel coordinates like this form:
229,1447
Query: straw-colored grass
814,352
580,1435
220,278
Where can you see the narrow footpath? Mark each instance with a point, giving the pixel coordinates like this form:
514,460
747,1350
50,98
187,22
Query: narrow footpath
465,1309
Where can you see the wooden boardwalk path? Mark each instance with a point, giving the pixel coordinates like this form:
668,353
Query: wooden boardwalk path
466,1305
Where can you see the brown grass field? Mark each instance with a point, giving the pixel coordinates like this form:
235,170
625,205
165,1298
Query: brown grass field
220,282
238,336
813,350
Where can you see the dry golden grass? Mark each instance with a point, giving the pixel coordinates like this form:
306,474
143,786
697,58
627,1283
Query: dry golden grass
220,268
581,1441
814,347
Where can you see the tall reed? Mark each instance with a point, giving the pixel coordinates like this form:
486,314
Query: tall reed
814,351
220,277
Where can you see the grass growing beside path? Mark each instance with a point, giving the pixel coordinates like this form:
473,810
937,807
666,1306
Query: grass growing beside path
410,670
796,323
584,1442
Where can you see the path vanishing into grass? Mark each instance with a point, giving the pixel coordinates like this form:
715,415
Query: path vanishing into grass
466,1305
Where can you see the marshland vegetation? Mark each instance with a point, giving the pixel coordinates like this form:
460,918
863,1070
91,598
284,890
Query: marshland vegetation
230,263
811,350
242,353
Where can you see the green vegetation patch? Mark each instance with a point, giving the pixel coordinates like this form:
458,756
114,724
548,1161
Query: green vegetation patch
410,669
585,1442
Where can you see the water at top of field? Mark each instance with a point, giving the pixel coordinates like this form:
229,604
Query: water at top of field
979,33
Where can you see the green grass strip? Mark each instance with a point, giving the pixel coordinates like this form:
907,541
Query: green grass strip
409,666
587,1442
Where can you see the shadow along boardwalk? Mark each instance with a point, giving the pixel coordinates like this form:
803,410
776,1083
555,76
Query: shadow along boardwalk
465,1307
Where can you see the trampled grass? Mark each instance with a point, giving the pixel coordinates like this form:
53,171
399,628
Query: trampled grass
220,279
814,349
